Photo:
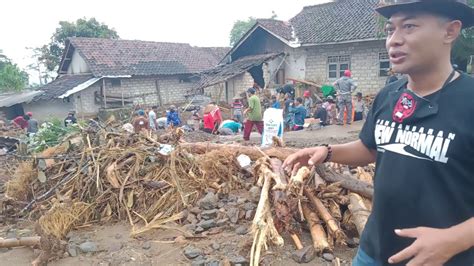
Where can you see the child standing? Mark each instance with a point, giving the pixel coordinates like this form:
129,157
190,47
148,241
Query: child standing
237,109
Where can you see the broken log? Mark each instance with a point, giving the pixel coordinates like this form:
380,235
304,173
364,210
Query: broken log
297,241
360,213
348,182
280,201
20,242
324,214
263,227
320,242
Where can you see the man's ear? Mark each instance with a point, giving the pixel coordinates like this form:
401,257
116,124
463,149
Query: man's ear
453,30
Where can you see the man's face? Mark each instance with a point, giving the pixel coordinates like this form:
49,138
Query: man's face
415,41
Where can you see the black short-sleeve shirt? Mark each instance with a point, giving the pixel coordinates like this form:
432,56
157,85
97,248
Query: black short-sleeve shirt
425,164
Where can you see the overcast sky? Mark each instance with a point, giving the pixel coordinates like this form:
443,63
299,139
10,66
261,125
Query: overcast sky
30,23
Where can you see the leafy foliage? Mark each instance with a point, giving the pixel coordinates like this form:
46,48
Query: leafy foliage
240,28
51,134
12,78
50,54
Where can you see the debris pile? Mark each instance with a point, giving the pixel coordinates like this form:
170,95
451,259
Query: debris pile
105,174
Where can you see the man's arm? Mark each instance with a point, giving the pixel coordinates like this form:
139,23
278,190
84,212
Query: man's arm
353,153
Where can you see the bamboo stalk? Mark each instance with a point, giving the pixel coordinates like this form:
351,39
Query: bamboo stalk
318,234
296,241
326,217
359,211
19,242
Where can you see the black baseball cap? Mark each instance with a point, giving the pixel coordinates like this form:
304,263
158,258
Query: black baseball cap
454,9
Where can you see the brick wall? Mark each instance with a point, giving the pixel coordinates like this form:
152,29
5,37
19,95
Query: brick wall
364,64
143,90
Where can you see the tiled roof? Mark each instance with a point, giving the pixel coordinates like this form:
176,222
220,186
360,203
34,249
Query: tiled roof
61,85
342,20
222,73
107,57
277,27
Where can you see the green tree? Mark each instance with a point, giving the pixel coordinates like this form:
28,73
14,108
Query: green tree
12,78
240,28
464,46
50,54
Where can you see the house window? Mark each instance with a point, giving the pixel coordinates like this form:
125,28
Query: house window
384,64
337,65
116,82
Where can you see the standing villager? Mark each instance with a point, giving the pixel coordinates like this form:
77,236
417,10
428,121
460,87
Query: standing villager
344,88
254,114
423,205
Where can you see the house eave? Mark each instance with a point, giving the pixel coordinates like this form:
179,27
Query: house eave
342,42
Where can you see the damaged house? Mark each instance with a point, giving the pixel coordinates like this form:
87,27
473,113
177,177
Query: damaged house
316,45
103,73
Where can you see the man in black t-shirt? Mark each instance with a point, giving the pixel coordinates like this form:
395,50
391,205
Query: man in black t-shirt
419,132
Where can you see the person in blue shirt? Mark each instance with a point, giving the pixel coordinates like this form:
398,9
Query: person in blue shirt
229,127
275,102
299,112
173,117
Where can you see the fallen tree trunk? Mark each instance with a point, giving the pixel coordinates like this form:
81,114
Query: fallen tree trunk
320,241
324,214
348,182
360,212
19,242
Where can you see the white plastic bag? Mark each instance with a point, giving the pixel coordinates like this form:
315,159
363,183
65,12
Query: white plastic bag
272,126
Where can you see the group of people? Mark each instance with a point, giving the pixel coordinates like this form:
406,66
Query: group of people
28,123
148,121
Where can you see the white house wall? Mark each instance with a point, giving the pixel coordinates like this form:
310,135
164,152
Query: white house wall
364,63
77,65
295,63
46,110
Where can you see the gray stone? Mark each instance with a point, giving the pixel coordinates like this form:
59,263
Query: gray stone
254,193
216,246
304,255
209,214
146,245
192,252
234,260
222,222
352,242
213,263
220,204
328,256
209,202
71,249
191,218
207,224
233,214
241,200
232,198
114,247
249,215
88,247
195,210
200,262
241,230
249,206
118,236
198,230
190,227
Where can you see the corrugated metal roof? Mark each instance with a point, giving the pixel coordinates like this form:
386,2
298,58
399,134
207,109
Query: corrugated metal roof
10,99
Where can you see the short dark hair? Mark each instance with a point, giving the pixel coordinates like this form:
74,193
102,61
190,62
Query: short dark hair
299,99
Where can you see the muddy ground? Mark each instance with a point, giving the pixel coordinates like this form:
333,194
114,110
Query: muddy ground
219,245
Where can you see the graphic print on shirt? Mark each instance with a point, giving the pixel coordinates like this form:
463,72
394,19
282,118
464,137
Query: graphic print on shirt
406,106
420,143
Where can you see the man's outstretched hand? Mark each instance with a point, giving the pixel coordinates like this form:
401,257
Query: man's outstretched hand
305,157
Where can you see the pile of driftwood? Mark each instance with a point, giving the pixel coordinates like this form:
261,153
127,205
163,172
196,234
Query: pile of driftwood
104,174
